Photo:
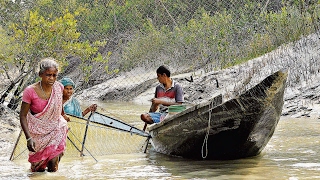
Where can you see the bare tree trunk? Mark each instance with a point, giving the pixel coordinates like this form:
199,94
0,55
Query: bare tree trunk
13,104
20,80
25,81
6,93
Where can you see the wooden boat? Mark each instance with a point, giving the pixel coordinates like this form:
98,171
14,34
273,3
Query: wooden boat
238,128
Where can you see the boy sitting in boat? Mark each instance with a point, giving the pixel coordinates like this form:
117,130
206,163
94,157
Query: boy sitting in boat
168,92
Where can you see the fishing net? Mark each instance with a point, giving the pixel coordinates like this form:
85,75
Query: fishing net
96,136
196,38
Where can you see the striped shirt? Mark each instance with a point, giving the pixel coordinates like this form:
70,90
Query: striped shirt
173,94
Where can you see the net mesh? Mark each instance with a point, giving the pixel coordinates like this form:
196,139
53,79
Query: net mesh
87,138
112,48
122,42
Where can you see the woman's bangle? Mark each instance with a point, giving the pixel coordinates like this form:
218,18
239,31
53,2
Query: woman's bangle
29,139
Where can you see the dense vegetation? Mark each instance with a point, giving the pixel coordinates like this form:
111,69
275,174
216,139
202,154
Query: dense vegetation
108,37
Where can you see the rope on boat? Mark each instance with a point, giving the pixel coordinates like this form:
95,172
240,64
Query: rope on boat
205,141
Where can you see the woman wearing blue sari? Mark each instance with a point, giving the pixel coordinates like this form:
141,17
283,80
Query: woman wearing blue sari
70,104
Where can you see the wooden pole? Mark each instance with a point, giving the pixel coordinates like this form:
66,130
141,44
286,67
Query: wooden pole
145,149
15,146
145,126
85,135
82,147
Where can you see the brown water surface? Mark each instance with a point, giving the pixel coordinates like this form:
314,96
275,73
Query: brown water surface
292,153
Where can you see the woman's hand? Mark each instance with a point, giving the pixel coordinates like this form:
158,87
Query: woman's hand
66,117
31,145
93,107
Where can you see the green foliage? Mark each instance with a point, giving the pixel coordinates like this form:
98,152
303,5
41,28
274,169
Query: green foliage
99,19
218,33
38,38
188,34
222,38
12,11
7,48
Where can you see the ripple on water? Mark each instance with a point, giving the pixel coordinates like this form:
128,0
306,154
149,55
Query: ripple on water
307,165
12,171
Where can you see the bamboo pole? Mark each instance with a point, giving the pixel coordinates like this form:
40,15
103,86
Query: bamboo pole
15,146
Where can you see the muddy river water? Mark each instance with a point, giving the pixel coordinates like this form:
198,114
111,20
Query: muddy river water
293,153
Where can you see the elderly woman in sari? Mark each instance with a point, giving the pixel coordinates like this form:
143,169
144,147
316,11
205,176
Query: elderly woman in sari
70,104
42,119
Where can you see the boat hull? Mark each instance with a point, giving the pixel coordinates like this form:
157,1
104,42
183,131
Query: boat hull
238,128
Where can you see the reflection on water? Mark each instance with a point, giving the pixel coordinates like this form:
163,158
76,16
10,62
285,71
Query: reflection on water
292,153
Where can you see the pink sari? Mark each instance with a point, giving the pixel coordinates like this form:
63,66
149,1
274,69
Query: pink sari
48,130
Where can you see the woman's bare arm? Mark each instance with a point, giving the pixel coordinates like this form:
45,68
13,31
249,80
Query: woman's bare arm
24,125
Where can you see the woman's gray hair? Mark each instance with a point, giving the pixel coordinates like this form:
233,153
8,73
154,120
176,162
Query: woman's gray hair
47,63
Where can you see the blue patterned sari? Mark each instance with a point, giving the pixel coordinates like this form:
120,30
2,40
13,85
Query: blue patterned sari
72,106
